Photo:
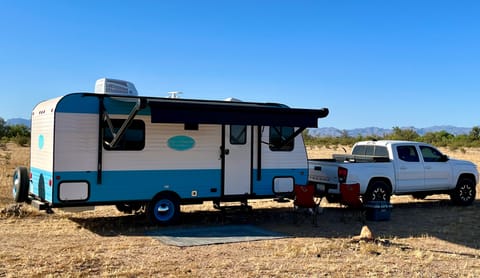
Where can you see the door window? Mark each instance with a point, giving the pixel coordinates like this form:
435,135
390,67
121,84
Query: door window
238,134
430,154
408,153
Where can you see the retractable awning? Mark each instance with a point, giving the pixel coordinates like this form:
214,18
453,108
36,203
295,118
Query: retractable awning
240,113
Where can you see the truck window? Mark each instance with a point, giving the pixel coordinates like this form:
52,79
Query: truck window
408,153
430,154
238,134
359,150
370,150
381,151
278,135
132,140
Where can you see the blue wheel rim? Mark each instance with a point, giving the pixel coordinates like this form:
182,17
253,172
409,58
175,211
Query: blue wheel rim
16,181
164,210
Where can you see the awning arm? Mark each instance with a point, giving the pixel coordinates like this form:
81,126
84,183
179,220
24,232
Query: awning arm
117,136
291,137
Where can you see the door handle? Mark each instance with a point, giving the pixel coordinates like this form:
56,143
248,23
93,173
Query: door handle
223,152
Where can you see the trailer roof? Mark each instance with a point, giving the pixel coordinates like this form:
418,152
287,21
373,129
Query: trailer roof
225,112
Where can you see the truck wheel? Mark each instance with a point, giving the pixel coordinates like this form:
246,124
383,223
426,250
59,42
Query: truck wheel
464,193
377,191
164,209
20,184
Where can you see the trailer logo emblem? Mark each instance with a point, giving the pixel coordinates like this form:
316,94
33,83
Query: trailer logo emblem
181,143
41,141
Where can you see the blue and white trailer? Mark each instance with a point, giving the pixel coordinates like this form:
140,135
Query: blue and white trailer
113,147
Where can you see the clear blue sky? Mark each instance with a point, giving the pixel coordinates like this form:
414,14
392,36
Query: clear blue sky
372,63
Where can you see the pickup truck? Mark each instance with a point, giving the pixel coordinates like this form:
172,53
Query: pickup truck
389,167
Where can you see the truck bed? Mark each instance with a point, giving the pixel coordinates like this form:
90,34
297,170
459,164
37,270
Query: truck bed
353,158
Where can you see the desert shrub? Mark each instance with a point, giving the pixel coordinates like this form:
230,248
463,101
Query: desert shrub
21,140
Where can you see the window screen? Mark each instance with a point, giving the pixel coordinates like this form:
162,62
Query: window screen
278,136
132,140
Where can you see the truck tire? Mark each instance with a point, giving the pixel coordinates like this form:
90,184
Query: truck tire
164,209
20,184
464,193
377,190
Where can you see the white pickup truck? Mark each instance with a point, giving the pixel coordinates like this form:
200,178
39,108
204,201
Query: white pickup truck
387,167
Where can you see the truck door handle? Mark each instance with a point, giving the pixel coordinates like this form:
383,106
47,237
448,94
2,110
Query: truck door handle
403,168
428,167
317,168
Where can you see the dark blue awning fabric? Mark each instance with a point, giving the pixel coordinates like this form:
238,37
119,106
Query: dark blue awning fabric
232,113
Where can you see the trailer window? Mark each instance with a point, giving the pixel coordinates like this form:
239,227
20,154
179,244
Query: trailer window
132,140
278,136
238,134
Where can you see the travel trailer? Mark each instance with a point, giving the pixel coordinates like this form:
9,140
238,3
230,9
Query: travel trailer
113,147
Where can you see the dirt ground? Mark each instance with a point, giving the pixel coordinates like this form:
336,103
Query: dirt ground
427,238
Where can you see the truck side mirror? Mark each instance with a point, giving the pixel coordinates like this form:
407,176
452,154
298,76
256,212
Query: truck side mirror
444,158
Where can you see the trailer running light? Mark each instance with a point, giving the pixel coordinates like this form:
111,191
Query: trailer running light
50,182
342,174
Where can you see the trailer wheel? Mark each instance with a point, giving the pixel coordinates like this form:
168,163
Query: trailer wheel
164,209
377,191
20,184
464,193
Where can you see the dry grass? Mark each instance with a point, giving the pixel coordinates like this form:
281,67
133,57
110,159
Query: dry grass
429,238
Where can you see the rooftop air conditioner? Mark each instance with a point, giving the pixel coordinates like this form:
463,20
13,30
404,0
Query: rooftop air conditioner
115,87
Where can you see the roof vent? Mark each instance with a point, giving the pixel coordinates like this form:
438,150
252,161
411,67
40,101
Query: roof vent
115,87
174,94
232,99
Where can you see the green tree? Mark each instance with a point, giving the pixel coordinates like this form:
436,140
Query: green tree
17,131
2,127
403,134
475,133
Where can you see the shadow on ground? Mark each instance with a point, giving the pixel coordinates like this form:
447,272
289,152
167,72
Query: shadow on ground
433,217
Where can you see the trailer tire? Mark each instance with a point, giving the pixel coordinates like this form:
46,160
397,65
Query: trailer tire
164,209
20,184
377,190
464,193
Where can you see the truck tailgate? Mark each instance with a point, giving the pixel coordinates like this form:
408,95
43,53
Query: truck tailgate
324,174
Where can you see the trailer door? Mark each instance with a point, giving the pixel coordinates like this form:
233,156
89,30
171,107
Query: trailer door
238,160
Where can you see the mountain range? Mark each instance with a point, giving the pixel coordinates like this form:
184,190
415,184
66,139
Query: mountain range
334,132
18,121
378,131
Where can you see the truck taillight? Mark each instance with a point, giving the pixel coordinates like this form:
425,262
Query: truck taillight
342,174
